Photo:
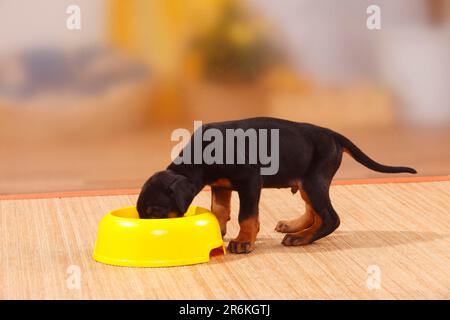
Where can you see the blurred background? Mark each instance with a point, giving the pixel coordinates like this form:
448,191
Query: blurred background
93,108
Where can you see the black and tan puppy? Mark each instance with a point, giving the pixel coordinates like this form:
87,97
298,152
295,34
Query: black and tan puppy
309,156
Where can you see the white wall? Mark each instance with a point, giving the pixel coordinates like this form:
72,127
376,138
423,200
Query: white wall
31,23
328,39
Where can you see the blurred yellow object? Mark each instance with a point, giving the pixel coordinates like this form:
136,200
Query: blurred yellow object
158,32
283,79
125,240
241,34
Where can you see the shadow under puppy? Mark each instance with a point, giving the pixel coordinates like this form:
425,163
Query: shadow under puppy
308,157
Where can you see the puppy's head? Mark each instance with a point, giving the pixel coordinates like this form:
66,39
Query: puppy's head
165,195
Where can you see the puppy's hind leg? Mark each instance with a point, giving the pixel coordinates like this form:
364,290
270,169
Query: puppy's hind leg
303,222
325,220
321,215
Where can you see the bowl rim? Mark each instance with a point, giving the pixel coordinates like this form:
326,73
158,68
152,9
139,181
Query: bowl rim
116,217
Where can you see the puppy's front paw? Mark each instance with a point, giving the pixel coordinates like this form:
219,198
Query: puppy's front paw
235,246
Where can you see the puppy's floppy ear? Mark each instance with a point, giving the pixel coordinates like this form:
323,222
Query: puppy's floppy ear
183,191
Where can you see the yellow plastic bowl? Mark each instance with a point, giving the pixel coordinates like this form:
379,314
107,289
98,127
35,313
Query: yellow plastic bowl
125,240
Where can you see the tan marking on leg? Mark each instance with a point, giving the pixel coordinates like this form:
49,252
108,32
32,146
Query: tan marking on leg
304,236
245,241
224,183
301,223
172,215
221,207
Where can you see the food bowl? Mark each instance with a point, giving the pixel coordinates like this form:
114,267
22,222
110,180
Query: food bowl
125,240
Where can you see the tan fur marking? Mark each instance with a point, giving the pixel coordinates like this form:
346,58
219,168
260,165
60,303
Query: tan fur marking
172,215
249,229
303,222
245,241
224,183
303,237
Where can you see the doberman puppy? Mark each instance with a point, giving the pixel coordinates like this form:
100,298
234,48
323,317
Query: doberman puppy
309,157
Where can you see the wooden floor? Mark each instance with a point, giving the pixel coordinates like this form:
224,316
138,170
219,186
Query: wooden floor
403,229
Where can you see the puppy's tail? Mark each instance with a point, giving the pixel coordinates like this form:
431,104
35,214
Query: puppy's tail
362,158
